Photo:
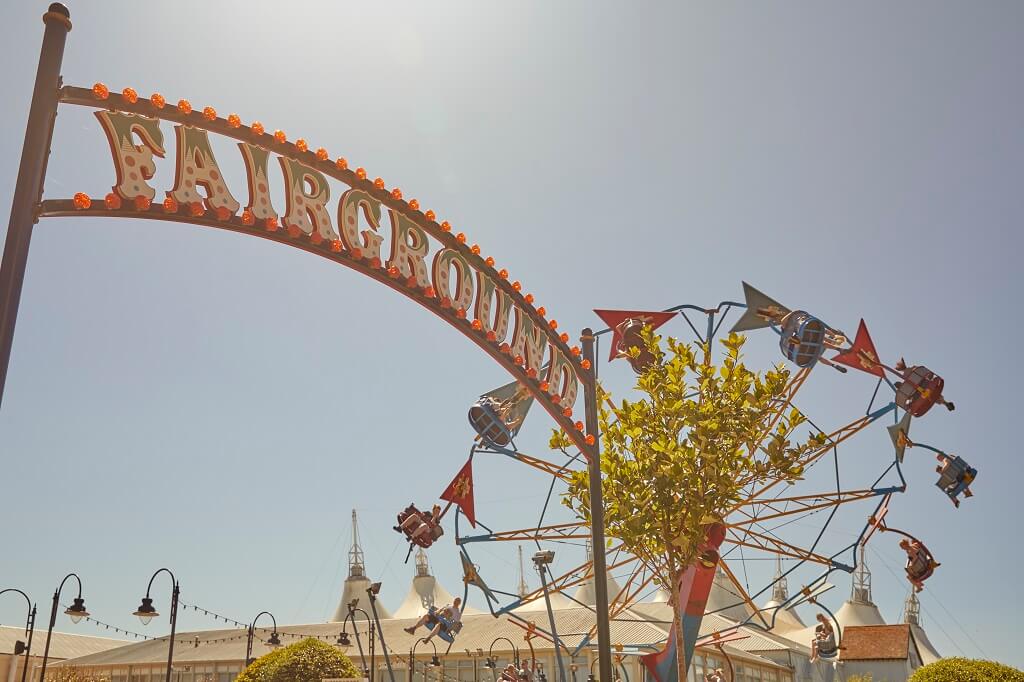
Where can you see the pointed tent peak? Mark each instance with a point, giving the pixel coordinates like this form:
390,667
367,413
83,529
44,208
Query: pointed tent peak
862,354
615,318
422,565
900,435
861,592
761,310
780,590
912,610
356,563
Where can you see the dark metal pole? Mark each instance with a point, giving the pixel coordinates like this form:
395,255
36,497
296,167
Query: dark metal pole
53,619
28,190
28,648
380,633
551,621
174,623
604,645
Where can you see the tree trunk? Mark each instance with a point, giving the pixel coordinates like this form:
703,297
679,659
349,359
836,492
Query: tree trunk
678,604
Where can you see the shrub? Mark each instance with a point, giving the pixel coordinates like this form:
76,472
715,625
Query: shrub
307,661
966,670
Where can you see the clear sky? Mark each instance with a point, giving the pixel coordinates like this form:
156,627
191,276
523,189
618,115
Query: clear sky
184,397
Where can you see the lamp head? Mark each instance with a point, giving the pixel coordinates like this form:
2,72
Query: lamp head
544,558
77,610
274,640
491,663
375,589
343,639
435,661
353,604
146,612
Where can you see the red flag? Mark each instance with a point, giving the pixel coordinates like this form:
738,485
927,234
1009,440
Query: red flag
614,318
862,355
460,491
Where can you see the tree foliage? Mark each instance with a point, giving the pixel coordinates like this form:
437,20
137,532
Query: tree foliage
309,660
684,454
966,670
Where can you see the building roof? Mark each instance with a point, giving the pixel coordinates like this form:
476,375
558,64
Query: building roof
478,632
877,643
62,644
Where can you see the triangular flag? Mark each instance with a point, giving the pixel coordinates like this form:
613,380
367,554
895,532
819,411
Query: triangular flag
615,318
761,310
900,434
862,355
460,491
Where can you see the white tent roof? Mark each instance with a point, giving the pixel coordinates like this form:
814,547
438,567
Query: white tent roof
355,588
786,620
726,600
425,592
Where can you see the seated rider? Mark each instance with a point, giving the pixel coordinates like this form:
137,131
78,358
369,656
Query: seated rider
447,618
920,564
415,525
957,485
824,642
717,675
510,673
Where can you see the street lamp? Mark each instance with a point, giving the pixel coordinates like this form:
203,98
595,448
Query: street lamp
343,639
492,662
542,561
147,612
30,629
372,591
76,612
273,642
434,660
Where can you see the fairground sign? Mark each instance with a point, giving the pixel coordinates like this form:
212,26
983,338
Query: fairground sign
330,210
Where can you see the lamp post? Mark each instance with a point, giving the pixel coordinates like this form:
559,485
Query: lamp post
372,591
604,638
492,662
146,612
343,640
434,660
30,629
273,642
541,560
76,612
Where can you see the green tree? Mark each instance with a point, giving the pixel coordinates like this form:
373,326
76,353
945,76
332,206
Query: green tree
966,670
680,457
309,660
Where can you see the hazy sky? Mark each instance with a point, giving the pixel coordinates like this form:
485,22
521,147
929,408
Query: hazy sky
185,397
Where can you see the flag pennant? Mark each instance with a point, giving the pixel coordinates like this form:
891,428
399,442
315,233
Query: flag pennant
862,355
900,434
761,310
615,318
460,492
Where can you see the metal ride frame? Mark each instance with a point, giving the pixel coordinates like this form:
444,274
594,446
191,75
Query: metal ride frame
565,365
745,521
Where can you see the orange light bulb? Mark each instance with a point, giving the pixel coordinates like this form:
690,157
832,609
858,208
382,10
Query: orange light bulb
130,95
529,298
396,193
257,128
280,136
446,226
184,106
170,205
361,173
112,201
82,201
301,145
322,154
477,324
553,324
490,261
209,113
247,217
564,338
100,91
341,163
475,249
234,121
503,273
430,215
585,363
541,311
461,237
516,285
157,100
414,204
378,183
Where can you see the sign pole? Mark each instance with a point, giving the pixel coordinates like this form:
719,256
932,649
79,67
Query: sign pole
28,190
604,645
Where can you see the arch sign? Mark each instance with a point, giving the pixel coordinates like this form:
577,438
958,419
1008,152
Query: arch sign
330,210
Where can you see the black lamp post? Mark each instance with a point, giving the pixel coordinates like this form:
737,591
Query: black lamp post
372,593
273,642
30,629
76,612
343,639
146,612
492,662
434,660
